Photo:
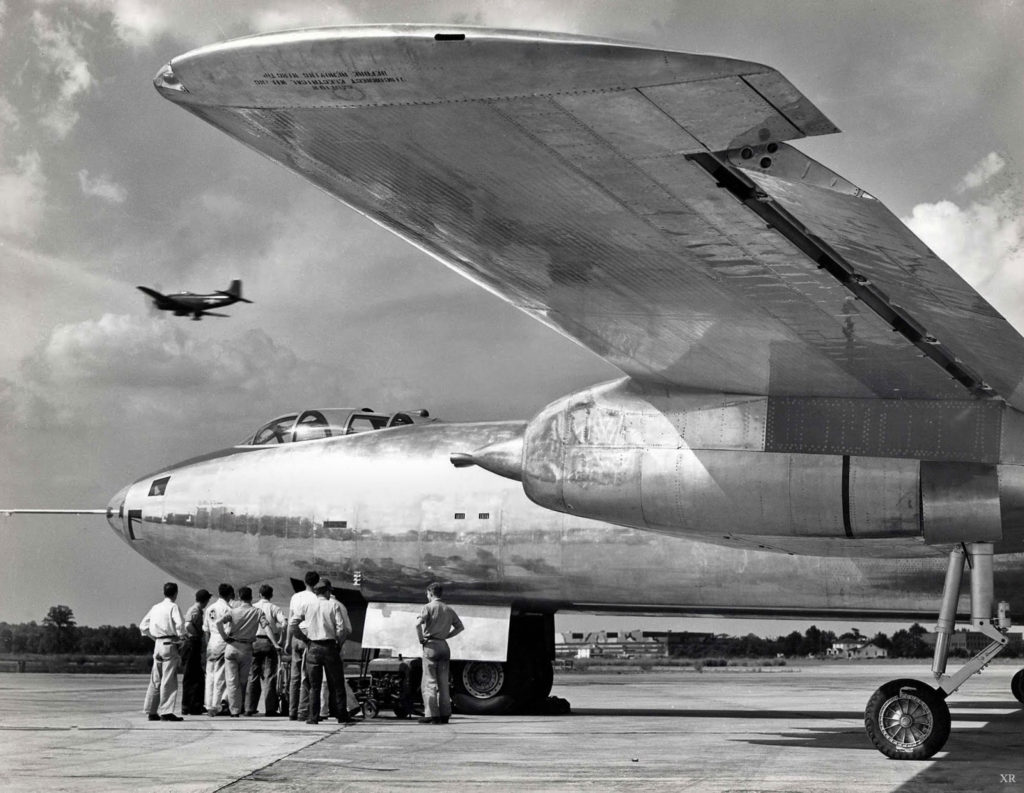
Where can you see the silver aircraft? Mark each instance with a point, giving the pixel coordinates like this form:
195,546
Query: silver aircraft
185,303
817,417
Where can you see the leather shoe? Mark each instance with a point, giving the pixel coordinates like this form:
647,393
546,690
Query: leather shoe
154,717
171,717
429,720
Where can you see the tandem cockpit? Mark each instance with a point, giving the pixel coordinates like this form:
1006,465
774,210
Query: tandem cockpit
311,425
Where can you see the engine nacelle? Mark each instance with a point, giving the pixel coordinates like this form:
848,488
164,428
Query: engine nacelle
685,463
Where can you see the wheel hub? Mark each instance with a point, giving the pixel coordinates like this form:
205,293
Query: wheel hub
482,679
906,721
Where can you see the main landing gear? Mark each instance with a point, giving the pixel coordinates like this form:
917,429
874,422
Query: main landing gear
909,720
519,685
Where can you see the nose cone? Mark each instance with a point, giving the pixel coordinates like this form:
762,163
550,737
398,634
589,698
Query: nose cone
167,82
115,510
504,458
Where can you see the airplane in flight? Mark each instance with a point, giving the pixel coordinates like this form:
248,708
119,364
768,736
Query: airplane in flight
184,304
817,417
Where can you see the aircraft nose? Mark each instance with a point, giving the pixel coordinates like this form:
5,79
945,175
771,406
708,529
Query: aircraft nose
167,81
115,510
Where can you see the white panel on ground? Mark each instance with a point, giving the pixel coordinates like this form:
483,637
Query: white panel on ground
393,626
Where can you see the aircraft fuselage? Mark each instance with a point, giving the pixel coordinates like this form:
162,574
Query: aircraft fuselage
384,512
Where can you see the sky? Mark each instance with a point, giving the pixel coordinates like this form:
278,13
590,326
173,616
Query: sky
105,186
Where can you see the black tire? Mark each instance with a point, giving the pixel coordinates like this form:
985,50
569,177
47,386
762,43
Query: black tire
907,720
484,688
371,708
1017,685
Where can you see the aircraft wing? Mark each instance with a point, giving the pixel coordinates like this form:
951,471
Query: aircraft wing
164,302
641,202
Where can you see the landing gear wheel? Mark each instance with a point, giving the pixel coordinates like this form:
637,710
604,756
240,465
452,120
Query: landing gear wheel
371,709
1017,685
907,720
484,688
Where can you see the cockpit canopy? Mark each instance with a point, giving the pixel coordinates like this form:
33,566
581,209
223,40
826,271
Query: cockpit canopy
311,425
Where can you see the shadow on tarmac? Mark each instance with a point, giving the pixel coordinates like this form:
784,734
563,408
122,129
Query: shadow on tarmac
989,756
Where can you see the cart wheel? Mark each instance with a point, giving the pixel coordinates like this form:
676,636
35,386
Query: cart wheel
371,709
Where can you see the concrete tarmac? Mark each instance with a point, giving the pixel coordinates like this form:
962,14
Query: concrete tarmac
781,729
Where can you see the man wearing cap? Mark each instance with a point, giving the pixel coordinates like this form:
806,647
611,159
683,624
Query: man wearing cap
436,623
263,675
327,627
215,648
192,675
295,644
244,619
164,625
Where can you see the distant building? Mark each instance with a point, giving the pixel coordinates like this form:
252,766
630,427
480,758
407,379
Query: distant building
972,642
856,648
622,644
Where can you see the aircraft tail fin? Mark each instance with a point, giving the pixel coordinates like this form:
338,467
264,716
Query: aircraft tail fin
235,291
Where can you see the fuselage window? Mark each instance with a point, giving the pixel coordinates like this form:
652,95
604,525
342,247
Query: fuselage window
277,431
159,486
361,423
311,426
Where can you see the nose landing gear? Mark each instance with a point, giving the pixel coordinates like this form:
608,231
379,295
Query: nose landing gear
908,719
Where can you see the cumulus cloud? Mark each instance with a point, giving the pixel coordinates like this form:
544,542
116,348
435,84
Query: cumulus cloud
983,240
981,173
61,50
299,15
101,187
23,195
9,118
147,352
122,370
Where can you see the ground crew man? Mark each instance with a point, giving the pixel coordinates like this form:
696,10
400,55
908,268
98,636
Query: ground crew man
215,649
164,625
327,627
295,643
436,624
193,688
263,676
245,619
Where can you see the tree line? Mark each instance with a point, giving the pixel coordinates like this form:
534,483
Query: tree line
60,634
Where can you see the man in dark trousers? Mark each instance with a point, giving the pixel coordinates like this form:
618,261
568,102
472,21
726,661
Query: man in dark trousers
327,627
193,675
263,674
437,623
295,645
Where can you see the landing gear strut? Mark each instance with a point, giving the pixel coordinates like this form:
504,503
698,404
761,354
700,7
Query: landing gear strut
908,719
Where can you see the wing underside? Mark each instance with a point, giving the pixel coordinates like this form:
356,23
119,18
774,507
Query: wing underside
635,200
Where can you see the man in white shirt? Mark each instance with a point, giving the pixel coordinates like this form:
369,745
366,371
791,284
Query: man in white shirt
263,676
296,644
215,645
327,627
164,625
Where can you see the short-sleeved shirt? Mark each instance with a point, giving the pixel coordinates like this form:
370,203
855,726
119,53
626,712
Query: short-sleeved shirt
194,621
274,618
299,599
438,618
213,615
325,619
245,621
